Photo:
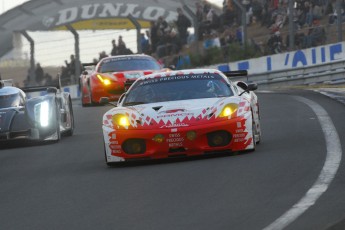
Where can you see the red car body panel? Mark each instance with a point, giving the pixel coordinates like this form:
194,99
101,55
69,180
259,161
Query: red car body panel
176,138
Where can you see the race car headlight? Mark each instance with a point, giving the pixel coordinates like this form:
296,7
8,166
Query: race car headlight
42,113
121,120
228,110
104,80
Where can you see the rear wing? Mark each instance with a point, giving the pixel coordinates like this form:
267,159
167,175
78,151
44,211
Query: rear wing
237,73
4,83
48,89
89,66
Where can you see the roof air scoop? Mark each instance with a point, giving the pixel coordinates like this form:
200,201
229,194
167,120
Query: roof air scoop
156,108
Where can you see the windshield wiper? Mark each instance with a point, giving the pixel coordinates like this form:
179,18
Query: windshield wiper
134,103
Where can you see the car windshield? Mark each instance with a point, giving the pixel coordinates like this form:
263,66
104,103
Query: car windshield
179,87
12,100
127,64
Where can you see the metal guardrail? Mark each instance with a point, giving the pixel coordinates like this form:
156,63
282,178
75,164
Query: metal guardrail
327,73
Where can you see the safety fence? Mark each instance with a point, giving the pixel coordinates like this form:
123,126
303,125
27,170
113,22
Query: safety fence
328,73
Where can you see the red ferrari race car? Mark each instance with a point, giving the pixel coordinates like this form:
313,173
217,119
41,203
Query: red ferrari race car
108,77
187,112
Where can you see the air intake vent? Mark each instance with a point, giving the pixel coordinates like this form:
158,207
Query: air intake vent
177,150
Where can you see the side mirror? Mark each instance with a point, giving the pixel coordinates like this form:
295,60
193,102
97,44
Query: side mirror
252,87
172,67
247,87
242,85
104,100
85,72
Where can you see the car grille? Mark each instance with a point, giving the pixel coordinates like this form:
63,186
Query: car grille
19,135
177,150
3,136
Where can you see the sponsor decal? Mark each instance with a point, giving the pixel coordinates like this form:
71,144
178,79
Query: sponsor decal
174,145
174,110
289,60
115,147
107,10
240,132
178,77
175,115
175,140
241,135
174,125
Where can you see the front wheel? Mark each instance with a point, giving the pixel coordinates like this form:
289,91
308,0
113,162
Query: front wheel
71,117
253,137
105,156
57,128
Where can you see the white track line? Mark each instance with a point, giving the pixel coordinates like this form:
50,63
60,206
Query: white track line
330,168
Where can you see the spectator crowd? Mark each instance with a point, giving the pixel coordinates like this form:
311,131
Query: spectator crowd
222,28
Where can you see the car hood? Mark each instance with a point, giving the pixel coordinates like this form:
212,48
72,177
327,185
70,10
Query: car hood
175,114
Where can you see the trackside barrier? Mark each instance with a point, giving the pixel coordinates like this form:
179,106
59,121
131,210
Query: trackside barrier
328,73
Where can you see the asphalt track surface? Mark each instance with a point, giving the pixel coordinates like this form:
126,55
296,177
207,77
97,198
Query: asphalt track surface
67,185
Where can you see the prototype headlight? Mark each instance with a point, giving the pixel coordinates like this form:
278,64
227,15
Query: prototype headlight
42,113
228,110
104,80
121,120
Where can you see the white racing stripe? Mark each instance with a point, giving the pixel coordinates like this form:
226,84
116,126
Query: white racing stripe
330,168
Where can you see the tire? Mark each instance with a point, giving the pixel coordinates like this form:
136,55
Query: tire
58,131
71,130
82,103
93,102
253,135
105,157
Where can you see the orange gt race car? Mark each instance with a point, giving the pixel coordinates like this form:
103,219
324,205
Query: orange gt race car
108,77
182,113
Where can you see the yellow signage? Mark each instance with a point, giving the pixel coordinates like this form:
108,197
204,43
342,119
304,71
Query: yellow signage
105,24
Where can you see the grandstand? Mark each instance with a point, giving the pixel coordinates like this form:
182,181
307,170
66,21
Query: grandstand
258,32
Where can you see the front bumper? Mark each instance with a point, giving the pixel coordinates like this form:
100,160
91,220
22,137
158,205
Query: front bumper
176,142
112,91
